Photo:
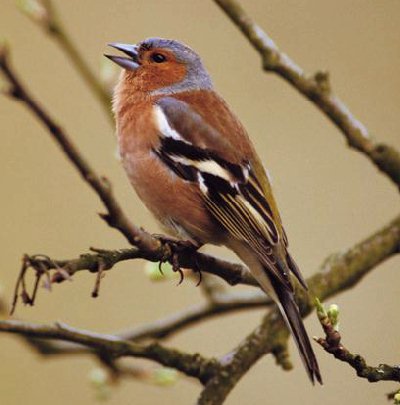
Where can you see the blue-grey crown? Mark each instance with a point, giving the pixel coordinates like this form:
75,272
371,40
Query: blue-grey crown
197,77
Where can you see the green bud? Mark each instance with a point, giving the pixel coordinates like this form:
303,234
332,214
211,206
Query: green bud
333,315
152,271
165,376
98,377
397,399
321,311
100,382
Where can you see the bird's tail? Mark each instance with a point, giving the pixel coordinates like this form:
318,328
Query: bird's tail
283,295
291,314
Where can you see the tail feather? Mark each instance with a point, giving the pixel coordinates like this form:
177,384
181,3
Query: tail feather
291,314
295,270
282,294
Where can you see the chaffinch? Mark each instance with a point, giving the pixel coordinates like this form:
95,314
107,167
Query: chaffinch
192,163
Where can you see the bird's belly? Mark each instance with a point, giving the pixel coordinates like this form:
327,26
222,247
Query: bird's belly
176,203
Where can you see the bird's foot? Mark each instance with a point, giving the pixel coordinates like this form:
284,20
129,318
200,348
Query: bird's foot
176,248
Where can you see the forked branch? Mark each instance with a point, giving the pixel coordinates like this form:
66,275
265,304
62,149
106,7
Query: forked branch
193,365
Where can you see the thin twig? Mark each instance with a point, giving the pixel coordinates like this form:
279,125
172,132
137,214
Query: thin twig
100,274
315,88
115,216
193,365
18,284
58,271
224,304
332,343
46,16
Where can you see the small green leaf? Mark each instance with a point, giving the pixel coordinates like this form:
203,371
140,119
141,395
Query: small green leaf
397,399
321,311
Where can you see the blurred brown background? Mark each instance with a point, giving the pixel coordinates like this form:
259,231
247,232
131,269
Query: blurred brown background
330,197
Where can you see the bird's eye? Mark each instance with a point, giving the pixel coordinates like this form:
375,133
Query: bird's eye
158,57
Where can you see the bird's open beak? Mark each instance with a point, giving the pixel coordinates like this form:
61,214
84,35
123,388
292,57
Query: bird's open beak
130,63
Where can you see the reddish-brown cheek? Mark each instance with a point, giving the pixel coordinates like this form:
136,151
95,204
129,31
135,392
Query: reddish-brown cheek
153,77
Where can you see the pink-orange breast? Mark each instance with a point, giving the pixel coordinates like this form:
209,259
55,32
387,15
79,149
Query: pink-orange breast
167,196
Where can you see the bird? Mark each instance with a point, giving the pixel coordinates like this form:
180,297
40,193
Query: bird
192,163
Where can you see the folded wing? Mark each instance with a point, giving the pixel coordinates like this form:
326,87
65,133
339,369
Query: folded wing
237,193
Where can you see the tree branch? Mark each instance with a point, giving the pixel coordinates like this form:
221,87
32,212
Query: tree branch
332,344
148,247
337,274
115,216
45,15
104,260
222,303
193,365
317,89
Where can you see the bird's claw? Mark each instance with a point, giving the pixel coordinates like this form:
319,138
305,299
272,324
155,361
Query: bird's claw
200,277
177,246
176,267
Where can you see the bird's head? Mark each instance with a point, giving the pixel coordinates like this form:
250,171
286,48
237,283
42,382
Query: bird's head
161,66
